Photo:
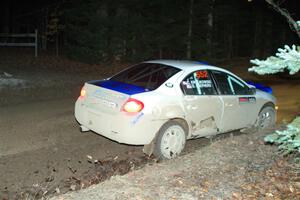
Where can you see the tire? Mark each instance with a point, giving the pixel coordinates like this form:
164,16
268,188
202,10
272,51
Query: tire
170,141
266,118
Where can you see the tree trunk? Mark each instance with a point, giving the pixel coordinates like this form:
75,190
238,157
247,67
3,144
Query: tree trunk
210,24
57,45
229,39
45,36
6,16
160,53
124,51
190,29
268,33
258,33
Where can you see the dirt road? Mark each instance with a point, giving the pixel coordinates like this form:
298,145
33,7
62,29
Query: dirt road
41,145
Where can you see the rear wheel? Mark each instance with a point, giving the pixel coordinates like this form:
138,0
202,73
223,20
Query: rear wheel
266,118
170,140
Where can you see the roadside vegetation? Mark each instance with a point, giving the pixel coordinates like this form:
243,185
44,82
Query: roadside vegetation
287,59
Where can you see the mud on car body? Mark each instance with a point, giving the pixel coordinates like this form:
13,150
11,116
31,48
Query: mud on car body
162,103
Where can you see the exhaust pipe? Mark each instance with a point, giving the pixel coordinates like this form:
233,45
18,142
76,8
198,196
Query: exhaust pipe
83,128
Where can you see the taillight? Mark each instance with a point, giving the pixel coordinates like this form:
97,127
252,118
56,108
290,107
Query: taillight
133,106
82,93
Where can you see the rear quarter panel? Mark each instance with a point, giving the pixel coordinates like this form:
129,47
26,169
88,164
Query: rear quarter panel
160,106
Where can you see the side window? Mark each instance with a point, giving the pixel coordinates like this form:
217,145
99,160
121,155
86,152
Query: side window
229,85
239,88
198,83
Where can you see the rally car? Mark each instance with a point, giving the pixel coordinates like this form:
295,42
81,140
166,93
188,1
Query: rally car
162,103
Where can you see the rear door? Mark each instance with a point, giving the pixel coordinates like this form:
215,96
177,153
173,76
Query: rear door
202,105
239,101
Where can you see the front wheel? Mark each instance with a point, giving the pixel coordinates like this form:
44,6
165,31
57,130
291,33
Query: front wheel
266,118
170,140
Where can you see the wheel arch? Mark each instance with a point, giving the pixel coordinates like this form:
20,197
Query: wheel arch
183,122
271,104
268,104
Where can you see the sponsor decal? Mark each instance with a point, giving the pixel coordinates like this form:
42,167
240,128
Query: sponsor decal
247,100
205,83
187,84
137,118
252,100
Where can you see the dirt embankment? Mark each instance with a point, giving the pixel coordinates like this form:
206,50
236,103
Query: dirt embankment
236,167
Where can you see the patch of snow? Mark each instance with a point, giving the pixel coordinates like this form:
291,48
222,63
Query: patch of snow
7,80
12,82
7,74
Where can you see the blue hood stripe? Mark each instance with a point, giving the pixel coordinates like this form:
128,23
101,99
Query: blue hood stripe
261,87
120,87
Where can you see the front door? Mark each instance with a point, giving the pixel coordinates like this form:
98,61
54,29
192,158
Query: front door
203,106
238,100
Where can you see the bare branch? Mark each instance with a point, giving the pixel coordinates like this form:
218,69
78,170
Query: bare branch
293,24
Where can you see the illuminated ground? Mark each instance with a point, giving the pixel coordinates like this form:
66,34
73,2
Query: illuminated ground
41,148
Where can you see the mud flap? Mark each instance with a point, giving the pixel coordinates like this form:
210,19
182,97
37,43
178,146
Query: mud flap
149,148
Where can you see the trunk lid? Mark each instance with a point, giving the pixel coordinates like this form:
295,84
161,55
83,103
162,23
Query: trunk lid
109,96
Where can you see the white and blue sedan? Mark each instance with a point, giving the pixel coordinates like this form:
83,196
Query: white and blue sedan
162,103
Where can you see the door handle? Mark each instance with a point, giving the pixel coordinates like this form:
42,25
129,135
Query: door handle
192,107
190,98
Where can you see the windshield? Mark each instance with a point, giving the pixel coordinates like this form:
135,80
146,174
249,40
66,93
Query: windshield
147,75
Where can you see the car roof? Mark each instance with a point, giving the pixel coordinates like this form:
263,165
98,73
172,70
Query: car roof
185,64
189,66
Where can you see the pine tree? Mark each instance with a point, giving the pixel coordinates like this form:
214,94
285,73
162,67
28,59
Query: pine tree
286,59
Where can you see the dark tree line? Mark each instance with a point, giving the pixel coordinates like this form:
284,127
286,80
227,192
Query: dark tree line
126,30
134,30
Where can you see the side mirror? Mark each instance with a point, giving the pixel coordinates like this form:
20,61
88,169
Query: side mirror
252,90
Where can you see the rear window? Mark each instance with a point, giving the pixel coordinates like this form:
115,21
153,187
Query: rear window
147,75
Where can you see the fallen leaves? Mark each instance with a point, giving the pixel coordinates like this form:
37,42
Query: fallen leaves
278,182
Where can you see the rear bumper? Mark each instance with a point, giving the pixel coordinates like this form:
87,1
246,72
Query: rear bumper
136,129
